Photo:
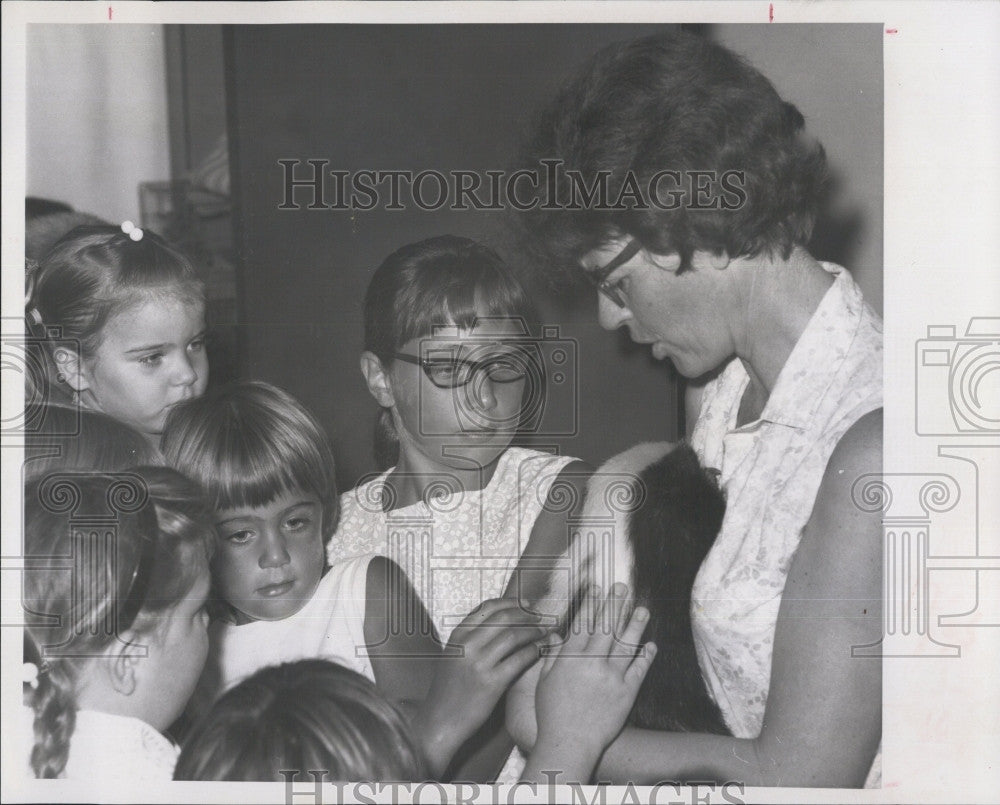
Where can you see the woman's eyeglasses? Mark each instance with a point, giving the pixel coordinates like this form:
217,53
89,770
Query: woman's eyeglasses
600,277
448,372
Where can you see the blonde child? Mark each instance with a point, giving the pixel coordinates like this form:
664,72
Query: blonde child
266,469
120,318
116,639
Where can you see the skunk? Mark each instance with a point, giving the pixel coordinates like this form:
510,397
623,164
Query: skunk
650,517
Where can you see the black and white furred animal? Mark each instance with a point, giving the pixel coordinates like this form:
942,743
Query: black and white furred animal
650,517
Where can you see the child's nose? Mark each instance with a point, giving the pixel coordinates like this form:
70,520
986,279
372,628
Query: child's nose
484,393
275,553
186,373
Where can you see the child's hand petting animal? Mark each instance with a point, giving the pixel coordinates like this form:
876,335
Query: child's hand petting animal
493,645
587,686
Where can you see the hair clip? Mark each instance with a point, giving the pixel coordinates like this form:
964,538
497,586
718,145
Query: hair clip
132,231
30,673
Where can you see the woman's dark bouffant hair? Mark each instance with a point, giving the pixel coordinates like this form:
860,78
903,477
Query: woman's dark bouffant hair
310,714
676,102
446,280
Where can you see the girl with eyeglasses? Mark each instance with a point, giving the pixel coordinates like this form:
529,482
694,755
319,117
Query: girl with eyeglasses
115,588
450,360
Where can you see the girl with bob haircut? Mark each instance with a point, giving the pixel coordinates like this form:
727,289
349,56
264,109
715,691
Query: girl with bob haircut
115,644
119,317
267,471
451,361
449,417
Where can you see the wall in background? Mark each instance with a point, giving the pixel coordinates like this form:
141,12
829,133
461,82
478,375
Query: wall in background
96,115
412,97
460,97
833,74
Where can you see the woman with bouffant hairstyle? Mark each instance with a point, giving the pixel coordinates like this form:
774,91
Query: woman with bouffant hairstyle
699,249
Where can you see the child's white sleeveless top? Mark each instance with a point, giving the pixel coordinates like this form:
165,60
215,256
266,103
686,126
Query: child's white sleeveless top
771,471
330,626
458,548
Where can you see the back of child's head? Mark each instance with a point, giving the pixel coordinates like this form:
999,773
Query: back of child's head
302,716
65,438
442,281
94,272
136,544
246,443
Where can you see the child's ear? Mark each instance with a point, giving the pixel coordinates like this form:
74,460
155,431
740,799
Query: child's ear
377,379
72,368
123,662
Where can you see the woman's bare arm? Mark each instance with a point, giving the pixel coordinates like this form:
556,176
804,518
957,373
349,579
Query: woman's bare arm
823,719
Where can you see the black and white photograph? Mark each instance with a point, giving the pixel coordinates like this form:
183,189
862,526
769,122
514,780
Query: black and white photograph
459,402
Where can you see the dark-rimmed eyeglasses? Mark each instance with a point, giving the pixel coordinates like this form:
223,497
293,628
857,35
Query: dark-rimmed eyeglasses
599,277
448,372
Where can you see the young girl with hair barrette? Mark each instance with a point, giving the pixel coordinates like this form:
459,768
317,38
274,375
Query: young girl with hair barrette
266,469
450,360
120,318
117,638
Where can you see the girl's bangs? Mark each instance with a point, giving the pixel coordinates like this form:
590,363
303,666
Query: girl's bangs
478,291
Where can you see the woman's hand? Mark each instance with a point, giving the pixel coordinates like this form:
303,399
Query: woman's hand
493,645
587,686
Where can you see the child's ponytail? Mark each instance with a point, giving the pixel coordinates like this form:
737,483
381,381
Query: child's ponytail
50,695
41,373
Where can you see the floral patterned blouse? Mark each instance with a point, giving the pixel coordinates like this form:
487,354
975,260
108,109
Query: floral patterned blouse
771,471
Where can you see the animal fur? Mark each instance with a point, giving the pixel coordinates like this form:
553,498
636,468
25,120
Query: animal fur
649,519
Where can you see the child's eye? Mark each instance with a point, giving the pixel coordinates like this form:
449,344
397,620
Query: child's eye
297,523
153,359
197,345
443,370
239,537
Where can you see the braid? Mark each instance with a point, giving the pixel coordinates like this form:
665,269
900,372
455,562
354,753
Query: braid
55,718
